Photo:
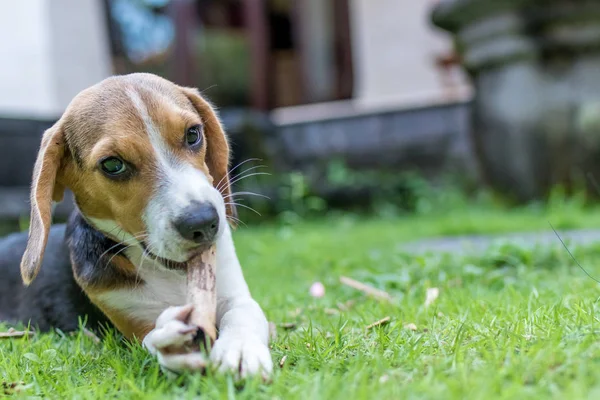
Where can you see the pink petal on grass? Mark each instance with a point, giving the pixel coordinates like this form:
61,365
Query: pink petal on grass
317,289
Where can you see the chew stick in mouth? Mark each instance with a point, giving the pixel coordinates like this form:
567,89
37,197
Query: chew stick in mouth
202,293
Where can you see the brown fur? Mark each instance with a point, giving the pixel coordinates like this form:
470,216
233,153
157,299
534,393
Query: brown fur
43,191
102,121
217,157
130,328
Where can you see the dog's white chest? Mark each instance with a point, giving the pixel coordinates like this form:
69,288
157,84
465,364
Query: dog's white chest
158,289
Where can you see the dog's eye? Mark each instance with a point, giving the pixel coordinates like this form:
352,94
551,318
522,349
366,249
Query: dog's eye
113,166
193,135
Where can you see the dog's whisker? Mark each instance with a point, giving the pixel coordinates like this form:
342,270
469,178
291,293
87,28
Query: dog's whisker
208,88
113,229
139,268
118,252
236,220
244,206
239,165
235,194
149,252
145,254
242,173
154,254
246,171
248,176
234,178
228,174
250,169
121,243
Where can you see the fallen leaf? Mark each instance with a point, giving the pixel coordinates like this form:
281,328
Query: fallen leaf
91,335
411,327
347,305
383,321
288,325
431,295
282,361
331,311
13,334
10,388
272,331
369,290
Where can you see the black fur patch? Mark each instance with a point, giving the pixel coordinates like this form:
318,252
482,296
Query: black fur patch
91,255
54,299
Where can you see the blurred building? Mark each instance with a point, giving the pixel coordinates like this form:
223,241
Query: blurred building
49,51
277,53
369,81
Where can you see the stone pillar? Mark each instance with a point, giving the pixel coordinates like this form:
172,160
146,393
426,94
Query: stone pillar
50,50
536,72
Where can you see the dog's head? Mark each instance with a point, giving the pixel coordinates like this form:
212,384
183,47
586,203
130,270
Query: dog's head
147,163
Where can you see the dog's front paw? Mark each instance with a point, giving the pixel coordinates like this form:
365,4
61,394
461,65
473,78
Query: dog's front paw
169,339
243,355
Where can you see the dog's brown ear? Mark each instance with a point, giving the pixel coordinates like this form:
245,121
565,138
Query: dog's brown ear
44,189
217,148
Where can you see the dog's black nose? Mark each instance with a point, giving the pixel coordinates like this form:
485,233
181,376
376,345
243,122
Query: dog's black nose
198,223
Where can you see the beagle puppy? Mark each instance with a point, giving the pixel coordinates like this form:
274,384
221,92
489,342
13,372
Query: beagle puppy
147,162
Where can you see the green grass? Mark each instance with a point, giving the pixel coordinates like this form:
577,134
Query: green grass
511,323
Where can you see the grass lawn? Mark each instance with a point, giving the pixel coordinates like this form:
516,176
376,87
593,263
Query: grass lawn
511,323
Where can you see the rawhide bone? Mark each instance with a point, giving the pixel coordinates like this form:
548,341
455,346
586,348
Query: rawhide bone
202,293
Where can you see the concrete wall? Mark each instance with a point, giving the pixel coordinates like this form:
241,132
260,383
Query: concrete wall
395,49
49,51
